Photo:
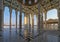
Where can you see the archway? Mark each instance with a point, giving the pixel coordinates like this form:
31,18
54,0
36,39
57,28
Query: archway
6,17
52,19
13,18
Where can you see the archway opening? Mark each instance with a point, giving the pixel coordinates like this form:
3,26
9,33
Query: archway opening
13,22
22,20
52,19
6,17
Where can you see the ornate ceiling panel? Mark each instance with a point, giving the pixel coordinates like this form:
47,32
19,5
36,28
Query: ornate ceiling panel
45,5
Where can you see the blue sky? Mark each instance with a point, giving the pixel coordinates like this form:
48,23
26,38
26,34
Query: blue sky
50,14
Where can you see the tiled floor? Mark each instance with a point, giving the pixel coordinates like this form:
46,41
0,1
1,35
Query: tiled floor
14,36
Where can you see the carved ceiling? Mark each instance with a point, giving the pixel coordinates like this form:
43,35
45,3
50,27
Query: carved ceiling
28,2
45,5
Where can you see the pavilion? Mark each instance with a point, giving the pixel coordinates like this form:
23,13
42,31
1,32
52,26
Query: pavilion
29,11
30,8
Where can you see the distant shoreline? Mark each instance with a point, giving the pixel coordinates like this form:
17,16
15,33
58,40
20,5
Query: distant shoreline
15,25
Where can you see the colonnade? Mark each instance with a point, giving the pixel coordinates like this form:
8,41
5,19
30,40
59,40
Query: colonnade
29,20
2,15
39,17
16,14
53,26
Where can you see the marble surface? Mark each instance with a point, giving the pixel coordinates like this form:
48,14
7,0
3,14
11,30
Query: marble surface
14,36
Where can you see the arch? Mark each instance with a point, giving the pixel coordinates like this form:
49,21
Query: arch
22,19
6,17
52,16
13,18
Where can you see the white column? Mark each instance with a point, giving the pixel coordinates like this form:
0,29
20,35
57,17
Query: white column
10,17
26,20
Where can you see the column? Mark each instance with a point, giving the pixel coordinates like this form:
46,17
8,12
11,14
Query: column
26,20
39,18
45,21
32,25
32,20
20,20
49,27
59,16
1,14
1,17
59,20
10,17
41,21
54,26
29,28
16,18
29,21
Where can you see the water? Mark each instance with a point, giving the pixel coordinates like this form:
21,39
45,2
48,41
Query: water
14,36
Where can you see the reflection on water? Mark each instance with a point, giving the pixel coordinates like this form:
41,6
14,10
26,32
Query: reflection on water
14,36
